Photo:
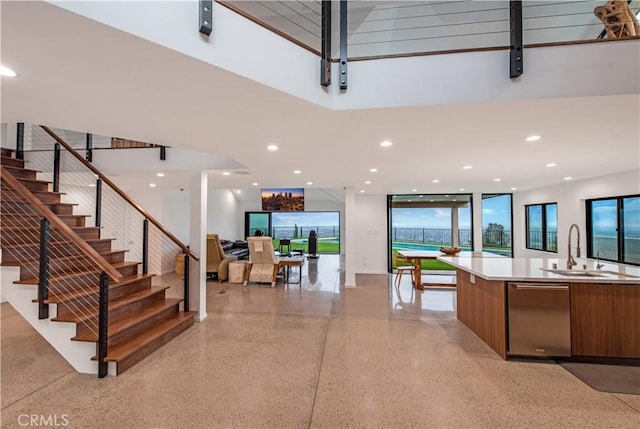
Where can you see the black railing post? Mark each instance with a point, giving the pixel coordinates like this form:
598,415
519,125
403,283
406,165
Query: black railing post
98,202
43,278
103,325
56,167
325,40
343,44
515,51
89,148
186,283
20,141
145,246
163,153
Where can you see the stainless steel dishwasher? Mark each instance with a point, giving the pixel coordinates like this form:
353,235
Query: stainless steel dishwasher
539,319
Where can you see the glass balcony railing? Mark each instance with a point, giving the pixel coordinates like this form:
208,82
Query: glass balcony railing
398,28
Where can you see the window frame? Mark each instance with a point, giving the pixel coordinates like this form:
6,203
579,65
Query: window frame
543,213
619,230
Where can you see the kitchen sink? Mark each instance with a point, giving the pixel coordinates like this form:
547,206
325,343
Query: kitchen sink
574,273
588,273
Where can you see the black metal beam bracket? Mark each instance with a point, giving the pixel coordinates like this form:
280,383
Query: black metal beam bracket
325,51
206,17
343,44
515,51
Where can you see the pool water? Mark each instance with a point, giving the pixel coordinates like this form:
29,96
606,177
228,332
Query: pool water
419,246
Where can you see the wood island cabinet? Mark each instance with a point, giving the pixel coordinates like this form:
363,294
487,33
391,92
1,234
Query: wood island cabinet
604,317
481,306
605,320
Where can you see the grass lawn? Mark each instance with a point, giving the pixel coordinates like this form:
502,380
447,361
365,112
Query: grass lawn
323,247
433,264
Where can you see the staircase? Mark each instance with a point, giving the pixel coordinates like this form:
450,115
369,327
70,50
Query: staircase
140,316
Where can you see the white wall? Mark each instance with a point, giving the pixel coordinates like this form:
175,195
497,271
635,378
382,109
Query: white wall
223,216
176,208
570,197
370,245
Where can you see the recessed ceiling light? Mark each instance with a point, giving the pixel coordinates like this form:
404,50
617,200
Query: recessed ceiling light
533,138
238,191
272,147
461,189
514,189
497,179
467,167
435,180
551,164
254,184
160,174
362,191
152,185
373,170
386,143
568,178
226,173
297,171
367,182
6,71
414,190
309,183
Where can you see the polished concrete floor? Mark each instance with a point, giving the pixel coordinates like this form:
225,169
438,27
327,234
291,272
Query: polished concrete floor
311,355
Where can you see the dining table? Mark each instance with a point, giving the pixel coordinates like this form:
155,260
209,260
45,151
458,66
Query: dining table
417,256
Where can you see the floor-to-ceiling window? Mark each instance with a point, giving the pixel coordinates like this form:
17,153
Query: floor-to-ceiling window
428,222
296,226
496,224
613,229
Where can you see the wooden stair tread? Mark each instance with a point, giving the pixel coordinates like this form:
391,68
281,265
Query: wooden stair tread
58,277
122,351
132,320
65,296
77,273
113,305
24,179
15,167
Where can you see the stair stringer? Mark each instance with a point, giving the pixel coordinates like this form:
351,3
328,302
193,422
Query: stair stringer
58,334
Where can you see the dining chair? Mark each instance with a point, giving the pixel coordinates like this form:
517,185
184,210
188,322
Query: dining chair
400,264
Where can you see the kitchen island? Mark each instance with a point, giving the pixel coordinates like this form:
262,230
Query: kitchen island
604,309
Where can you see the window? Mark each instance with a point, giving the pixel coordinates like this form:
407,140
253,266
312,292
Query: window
542,227
496,224
428,222
613,229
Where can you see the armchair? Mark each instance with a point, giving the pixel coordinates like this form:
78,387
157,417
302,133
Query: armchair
264,266
217,261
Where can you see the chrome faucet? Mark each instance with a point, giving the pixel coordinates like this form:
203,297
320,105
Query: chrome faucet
570,261
598,264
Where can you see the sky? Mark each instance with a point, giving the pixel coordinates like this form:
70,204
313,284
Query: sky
494,210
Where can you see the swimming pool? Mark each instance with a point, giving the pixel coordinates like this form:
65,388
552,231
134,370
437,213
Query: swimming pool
419,246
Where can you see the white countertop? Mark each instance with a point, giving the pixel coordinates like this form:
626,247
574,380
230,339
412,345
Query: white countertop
530,269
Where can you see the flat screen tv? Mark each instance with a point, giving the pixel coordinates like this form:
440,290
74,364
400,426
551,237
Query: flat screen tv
283,199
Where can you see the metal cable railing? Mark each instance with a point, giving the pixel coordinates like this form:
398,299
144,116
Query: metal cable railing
404,28
72,280
71,240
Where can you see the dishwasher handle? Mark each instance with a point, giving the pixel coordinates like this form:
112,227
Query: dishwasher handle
541,286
